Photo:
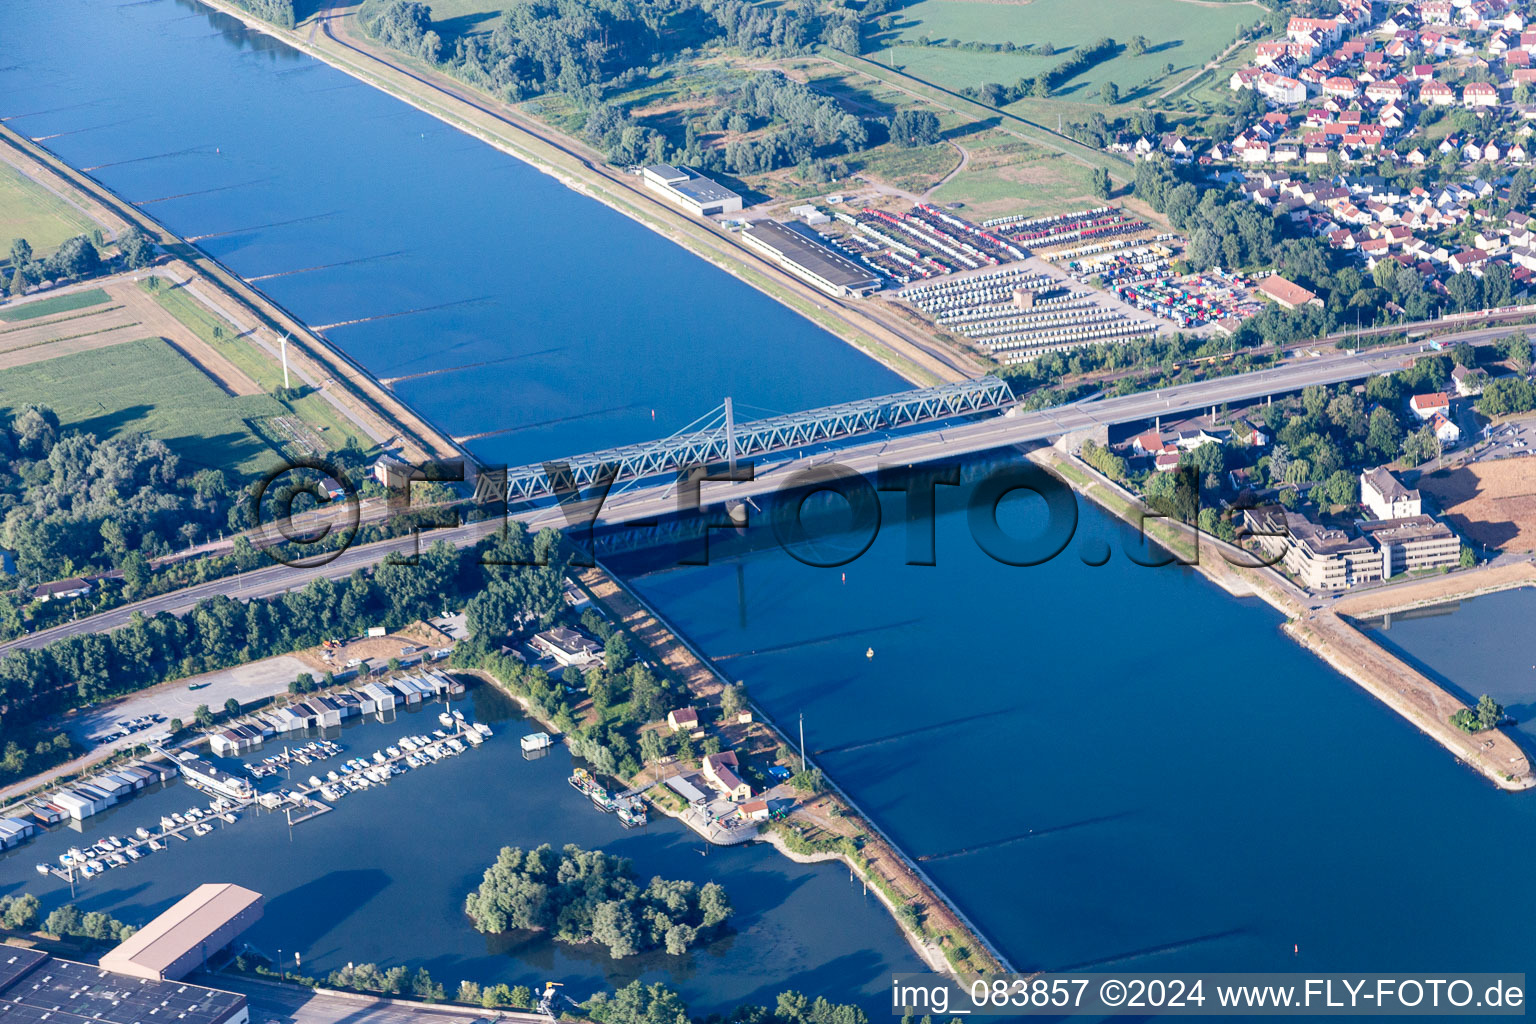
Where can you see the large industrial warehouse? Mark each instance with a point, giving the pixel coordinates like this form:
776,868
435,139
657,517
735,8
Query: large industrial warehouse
183,938
36,988
806,258
693,192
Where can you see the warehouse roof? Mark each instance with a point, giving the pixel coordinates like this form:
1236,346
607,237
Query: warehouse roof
36,988
703,190
820,260
182,928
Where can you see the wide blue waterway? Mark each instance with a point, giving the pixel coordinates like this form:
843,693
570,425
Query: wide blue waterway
576,322
1124,766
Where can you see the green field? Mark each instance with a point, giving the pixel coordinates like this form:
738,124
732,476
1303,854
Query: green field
57,304
259,365
1185,34
148,386
454,18
30,211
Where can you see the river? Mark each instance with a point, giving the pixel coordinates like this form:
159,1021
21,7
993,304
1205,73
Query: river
577,327
1121,766
1103,766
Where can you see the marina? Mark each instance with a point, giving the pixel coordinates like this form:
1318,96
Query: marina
382,877
299,802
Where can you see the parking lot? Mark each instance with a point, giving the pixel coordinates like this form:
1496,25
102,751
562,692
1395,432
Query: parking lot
1508,440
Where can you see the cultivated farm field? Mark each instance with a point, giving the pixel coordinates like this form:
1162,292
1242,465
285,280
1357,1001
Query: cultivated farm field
149,386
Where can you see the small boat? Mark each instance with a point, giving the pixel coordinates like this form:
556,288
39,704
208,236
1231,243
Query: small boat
132,853
392,751
631,816
118,860
458,715
601,798
44,869
473,738
155,844
482,729
446,719
378,757
141,832
581,780
230,816
314,780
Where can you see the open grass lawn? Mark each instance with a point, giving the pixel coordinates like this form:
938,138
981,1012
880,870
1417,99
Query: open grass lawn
57,304
1182,33
30,211
255,362
455,18
148,386
1006,175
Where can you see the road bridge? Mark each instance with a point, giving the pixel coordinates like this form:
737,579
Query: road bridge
947,441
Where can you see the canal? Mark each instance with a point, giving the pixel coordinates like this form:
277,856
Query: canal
1124,767
572,327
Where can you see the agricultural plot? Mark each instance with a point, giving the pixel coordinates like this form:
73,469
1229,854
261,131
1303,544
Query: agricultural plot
148,386
1186,35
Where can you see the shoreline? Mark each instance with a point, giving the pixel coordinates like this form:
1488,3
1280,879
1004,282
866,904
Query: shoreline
336,376
1325,632
885,866
502,126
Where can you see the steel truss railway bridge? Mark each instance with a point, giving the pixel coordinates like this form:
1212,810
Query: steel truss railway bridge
726,443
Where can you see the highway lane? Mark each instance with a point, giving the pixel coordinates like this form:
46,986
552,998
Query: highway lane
660,499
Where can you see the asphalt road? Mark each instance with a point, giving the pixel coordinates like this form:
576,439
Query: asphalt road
271,1003
658,500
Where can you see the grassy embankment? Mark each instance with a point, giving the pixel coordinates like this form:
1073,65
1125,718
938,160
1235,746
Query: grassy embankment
29,210
334,429
365,400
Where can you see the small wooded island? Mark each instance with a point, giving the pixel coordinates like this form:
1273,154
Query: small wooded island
588,896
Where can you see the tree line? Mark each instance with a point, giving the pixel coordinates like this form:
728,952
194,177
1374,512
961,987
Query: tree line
222,631
1081,58
582,896
75,502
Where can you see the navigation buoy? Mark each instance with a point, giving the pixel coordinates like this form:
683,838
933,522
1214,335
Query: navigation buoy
869,653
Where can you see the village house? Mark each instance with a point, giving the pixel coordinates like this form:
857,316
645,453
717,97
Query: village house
61,590
683,720
720,770
1427,407
1384,494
